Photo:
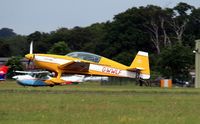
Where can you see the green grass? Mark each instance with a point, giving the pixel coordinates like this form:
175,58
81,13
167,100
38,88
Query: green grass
91,103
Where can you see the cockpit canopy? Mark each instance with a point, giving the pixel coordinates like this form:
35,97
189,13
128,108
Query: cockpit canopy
85,56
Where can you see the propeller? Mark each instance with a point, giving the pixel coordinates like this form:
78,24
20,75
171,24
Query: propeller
30,56
31,48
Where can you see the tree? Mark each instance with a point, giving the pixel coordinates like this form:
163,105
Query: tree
14,64
4,49
36,36
152,23
79,37
18,45
125,58
60,48
180,20
41,41
61,34
192,30
97,32
176,61
195,15
124,34
6,32
155,24
143,28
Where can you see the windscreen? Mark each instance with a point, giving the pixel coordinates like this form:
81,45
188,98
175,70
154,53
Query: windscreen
85,56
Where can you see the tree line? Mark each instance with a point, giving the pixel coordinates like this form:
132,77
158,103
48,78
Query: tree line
168,34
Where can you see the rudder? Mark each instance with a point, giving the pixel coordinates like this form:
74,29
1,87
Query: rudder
141,62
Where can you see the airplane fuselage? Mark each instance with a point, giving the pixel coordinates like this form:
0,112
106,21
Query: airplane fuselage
105,67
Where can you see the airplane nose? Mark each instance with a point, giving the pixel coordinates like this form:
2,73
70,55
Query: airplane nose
29,56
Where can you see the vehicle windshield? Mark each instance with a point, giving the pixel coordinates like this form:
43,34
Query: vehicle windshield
85,56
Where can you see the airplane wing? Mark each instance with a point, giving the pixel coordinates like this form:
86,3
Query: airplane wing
75,66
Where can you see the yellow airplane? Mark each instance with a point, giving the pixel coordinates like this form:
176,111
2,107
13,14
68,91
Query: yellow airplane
88,64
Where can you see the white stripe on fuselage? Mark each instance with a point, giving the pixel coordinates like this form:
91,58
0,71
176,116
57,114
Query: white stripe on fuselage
112,71
51,59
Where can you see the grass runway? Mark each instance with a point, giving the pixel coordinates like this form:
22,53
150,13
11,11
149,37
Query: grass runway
91,103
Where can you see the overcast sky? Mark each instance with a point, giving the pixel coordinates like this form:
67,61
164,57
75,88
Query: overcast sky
28,16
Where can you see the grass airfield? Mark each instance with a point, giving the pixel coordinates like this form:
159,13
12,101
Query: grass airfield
92,103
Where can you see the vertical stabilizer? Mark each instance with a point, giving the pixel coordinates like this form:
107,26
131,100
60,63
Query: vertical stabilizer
141,63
